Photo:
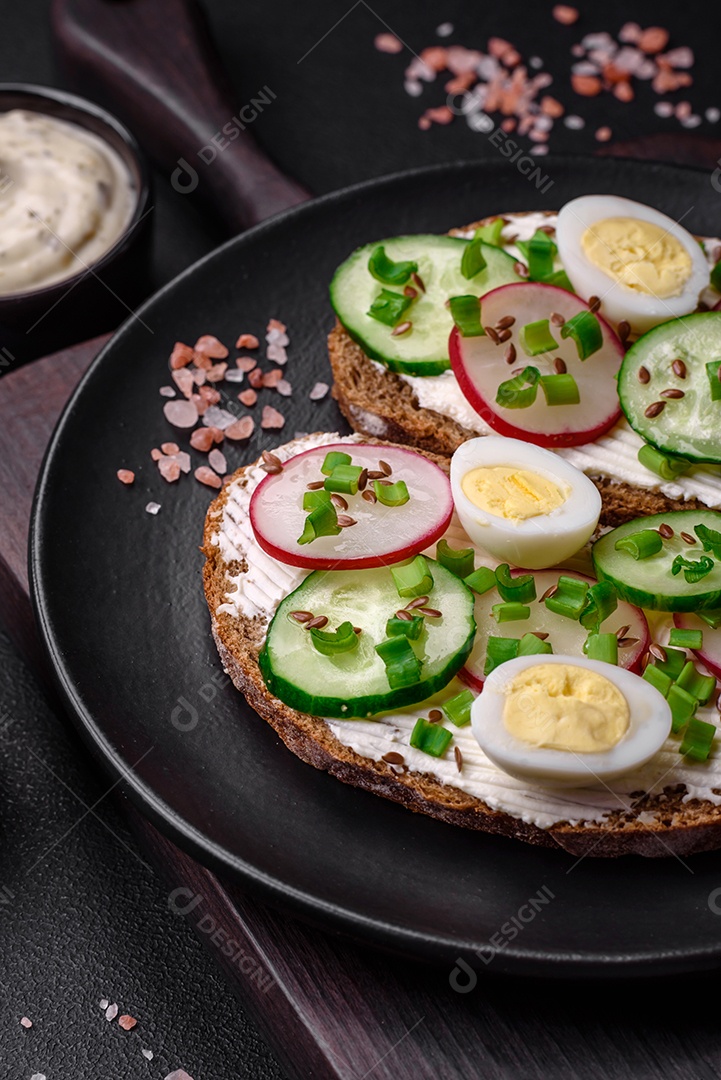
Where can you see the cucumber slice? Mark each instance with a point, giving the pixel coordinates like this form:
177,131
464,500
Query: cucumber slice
649,582
423,350
688,425
355,683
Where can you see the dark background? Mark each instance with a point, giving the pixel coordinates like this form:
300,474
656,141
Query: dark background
82,917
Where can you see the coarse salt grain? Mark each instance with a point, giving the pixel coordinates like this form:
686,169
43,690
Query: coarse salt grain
445,29
564,14
125,476
208,345
234,375
127,1023
166,391
603,134
112,1010
152,508
38,1076
539,149
575,123
535,62
713,115
104,1003
216,460
319,391
205,475
277,353
271,418
663,108
247,341
217,417
26,1023
181,414
691,121
147,1054
413,87
388,43
284,388
241,429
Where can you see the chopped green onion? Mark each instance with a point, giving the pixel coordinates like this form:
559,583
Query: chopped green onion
500,649
698,685
520,391
472,261
536,337
403,668
693,569
410,628
686,639
466,314
323,521
332,459
698,739
560,279
674,663
715,276
490,234
712,617
458,708
585,329
530,645
510,612
332,642
560,389
391,494
601,601
602,647
389,307
640,545
430,738
458,560
658,678
519,589
344,478
569,598
312,499
388,272
539,253
413,578
667,466
710,539
683,706
712,370
481,580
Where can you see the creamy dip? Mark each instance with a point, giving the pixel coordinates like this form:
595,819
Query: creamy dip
66,196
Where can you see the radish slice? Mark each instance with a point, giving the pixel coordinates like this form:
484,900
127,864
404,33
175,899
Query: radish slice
710,653
565,635
480,367
380,534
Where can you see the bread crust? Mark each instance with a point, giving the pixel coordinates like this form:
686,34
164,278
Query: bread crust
679,829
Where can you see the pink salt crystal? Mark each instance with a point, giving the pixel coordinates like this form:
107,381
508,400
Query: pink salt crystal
319,391
208,345
216,417
216,373
277,353
199,376
126,1022
284,388
169,469
169,447
233,375
181,414
206,476
216,460
202,439
629,32
183,459
248,397
112,1010
247,341
276,324
156,454
682,57
166,391
125,476
185,382
179,1074
26,1023
387,43
271,418
181,355
240,429
151,508
246,363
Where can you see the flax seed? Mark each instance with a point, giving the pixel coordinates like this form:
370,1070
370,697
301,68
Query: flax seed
402,328
417,603
339,501
658,652
363,480
345,522
375,474
559,366
687,538
627,642
393,758
418,281
272,459
594,303
622,631
550,591
431,613
315,485
385,467
404,615
435,715
624,329
672,393
510,354
410,292
540,634
370,496
665,531
504,336
317,623
521,269
492,335
644,375
556,319
654,409
505,322
679,368
459,757
301,616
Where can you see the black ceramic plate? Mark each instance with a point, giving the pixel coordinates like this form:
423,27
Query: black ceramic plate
120,604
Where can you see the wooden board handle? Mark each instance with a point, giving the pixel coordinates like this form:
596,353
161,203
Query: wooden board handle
153,63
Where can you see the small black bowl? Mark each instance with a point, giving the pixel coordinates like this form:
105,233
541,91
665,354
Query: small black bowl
40,321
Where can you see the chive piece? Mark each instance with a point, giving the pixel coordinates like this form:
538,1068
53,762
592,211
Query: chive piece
389,307
530,645
585,329
569,598
500,649
560,279
510,612
601,601
539,253
710,539
602,647
481,580
698,739
693,569
712,617
458,560
686,639
490,234
312,499
658,678
674,663
683,706
640,545
715,276
413,578
403,668
388,272
520,391
410,628
472,261
344,478
391,494
323,521
712,370
458,708
560,389
536,337
466,314
521,589
332,459
699,686
430,738
667,466
332,642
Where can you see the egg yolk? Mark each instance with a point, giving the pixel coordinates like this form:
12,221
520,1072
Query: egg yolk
638,254
564,707
511,493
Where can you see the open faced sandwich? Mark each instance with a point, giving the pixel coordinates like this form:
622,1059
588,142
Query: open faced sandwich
509,616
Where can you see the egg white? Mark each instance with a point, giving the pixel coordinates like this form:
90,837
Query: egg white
618,302
537,542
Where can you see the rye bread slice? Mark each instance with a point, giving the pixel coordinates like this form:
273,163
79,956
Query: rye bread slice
678,828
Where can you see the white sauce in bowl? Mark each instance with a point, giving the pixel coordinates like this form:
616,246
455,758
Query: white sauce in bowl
66,196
